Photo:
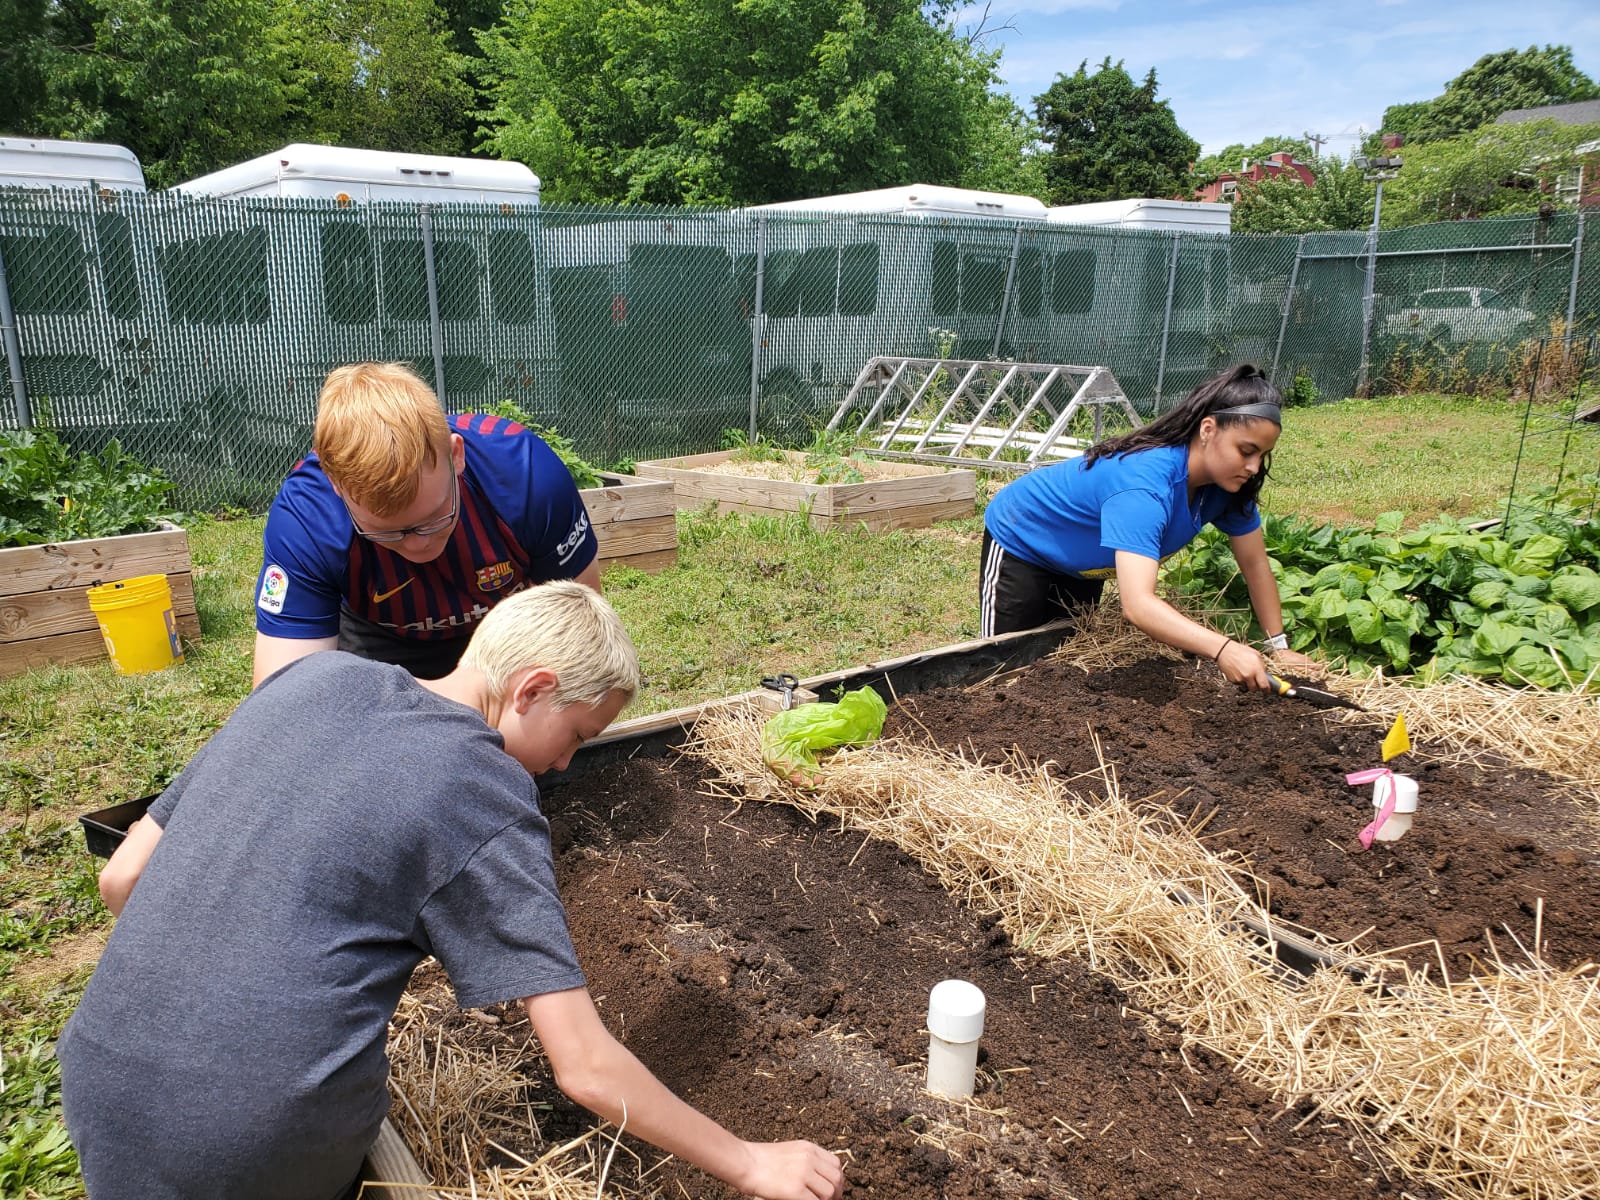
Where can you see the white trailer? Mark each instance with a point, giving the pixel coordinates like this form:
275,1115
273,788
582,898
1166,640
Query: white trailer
920,268
273,255
1183,216
919,200
1148,285
346,174
48,163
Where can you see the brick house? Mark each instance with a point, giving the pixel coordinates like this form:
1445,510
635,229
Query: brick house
1225,188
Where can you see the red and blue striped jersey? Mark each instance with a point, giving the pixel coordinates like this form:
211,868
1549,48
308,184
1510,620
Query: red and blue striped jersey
521,522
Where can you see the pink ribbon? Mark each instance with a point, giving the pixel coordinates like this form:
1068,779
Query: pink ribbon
1384,813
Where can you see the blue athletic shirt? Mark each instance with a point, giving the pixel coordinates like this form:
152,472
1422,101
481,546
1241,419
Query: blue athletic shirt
1072,518
521,522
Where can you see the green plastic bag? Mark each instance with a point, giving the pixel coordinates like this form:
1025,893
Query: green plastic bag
789,739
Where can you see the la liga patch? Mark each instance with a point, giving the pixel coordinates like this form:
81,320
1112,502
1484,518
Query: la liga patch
274,589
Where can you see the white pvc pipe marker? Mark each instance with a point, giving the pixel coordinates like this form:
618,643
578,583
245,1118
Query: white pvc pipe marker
955,1023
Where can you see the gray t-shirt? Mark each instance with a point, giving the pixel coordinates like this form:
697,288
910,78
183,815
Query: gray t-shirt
342,825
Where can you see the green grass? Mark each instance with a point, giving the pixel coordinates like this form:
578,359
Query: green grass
747,597
1421,455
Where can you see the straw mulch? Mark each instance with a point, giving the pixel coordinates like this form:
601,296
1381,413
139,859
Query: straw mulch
1460,719
1465,719
1483,1087
460,1100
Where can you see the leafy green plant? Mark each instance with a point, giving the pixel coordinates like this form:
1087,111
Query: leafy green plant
584,473
35,1154
1302,391
1520,603
746,449
834,458
49,493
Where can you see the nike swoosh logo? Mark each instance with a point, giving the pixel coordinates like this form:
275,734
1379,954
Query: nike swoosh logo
380,597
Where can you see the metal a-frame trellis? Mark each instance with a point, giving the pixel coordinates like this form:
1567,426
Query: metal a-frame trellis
975,412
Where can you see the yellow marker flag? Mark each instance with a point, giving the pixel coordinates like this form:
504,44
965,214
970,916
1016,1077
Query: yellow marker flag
1397,740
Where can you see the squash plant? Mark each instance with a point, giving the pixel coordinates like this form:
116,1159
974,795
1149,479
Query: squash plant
49,493
1521,603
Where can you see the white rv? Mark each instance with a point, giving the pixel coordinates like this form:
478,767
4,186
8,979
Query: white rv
75,276
1108,294
313,256
1183,216
919,200
921,267
347,175
47,163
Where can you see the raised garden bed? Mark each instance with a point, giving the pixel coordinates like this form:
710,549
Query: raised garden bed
775,970
894,496
44,607
634,520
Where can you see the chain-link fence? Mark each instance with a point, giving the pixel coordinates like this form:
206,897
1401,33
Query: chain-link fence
198,331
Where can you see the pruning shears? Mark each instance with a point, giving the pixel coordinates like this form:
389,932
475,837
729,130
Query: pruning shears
785,683
1315,697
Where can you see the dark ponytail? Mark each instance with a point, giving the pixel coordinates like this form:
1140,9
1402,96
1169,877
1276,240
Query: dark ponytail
1237,387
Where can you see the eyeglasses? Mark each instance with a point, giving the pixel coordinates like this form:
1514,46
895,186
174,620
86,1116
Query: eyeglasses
426,529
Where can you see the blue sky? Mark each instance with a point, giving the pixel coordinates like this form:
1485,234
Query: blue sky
1242,71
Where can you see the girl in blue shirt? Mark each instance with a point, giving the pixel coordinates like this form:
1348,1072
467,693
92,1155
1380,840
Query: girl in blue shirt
1053,537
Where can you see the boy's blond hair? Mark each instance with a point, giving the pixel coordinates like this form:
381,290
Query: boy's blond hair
379,427
565,626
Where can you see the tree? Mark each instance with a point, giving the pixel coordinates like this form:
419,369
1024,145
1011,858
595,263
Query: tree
1340,199
188,86
466,19
716,101
1110,139
1495,84
43,82
1493,171
380,74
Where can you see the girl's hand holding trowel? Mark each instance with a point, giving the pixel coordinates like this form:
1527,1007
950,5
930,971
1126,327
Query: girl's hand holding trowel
1292,663
1244,665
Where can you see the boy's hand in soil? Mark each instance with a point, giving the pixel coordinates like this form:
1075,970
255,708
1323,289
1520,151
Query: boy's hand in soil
792,1171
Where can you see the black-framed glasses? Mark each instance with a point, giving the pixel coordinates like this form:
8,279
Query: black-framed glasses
426,529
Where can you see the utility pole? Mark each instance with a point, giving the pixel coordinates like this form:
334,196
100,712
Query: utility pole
1316,140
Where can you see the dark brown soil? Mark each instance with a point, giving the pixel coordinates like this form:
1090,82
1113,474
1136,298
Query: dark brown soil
776,973
1487,845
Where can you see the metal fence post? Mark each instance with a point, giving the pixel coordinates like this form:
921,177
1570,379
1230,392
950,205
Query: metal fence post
12,342
1288,304
435,329
1368,290
758,322
1166,318
1005,293
1572,288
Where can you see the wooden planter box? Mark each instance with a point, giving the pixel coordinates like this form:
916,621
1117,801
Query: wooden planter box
44,605
907,497
634,520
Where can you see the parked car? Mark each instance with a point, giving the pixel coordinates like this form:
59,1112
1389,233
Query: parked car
1460,314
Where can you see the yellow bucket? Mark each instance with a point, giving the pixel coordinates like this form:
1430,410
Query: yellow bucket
136,621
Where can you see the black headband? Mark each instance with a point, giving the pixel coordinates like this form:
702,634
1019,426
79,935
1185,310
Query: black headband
1271,412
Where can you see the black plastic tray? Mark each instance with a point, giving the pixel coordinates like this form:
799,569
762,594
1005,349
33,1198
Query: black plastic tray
964,662
104,830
